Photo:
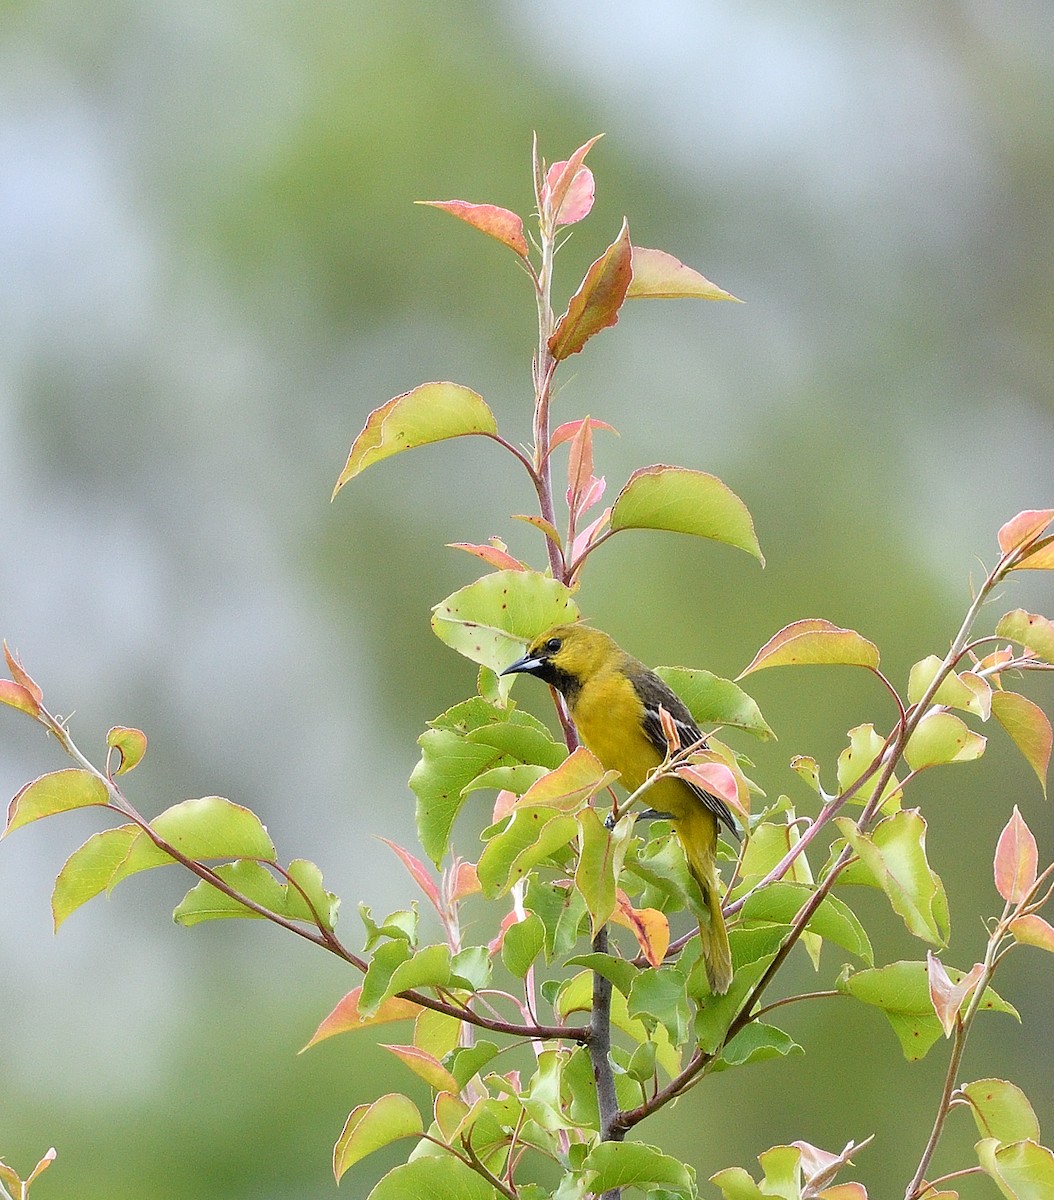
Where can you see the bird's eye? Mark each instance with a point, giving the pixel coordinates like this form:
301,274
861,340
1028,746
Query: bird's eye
552,645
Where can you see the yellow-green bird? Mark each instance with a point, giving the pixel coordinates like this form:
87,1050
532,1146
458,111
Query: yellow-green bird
614,701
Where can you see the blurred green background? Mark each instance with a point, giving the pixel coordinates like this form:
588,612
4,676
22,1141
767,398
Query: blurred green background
211,270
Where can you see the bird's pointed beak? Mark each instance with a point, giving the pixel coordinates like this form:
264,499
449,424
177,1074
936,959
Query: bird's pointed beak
524,666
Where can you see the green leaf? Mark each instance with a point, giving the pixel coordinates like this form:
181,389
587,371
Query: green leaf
472,967
780,902
1034,632
463,743
58,792
901,990
90,869
658,275
369,1127
684,501
1029,728
1001,1110
207,903
755,1043
634,1164
522,944
438,1177
429,413
865,745
659,994
600,856
470,1060
967,691
895,854
394,969
736,1184
595,306
491,620
942,738
814,642
620,971
515,777
1022,1170
130,745
532,834
715,701
561,910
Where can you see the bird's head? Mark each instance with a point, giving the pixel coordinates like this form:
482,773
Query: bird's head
566,655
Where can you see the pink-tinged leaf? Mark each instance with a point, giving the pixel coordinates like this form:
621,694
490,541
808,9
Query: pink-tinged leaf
669,731
42,1166
1034,632
370,1127
658,275
1039,558
814,641
504,803
430,413
564,433
555,187
15,695
649,926
130,745
571,785
1033,930
1028,726
1024,528
21,676
346,1016
578,199
466,882
596,304
857,1191
507,921
418,872
425,1066
579,465
947,997
550,530
1016,860
713,777
589,535
54,793
501,560
506,227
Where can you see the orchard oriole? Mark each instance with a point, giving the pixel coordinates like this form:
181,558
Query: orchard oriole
614,701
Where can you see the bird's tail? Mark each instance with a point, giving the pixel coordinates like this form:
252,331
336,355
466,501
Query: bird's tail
713,934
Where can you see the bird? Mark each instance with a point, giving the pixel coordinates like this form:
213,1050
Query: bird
614,702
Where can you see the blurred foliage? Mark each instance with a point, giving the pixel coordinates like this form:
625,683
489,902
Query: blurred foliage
213,272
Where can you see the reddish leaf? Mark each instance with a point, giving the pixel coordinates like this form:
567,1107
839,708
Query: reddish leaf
556,186
346,1016
507,921
564,433
466,882
713,777
418,872
1029,727
579,465
496,222
21,676
669,731
1032,930
504,803
1016,860
18,697
649,926
814,641
948,997
1024,528
497,558
658,275
579,197
425,1066
1039,558
596,304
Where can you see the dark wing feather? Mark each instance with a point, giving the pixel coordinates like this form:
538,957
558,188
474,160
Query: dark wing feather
653,692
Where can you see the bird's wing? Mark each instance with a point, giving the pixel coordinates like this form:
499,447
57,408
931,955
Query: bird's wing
654,693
